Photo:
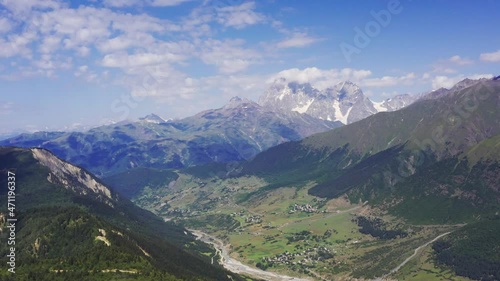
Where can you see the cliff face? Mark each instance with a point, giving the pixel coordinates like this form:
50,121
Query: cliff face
72,177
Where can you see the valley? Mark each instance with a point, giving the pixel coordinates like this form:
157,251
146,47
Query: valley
218,140
234,265
288,232
410,194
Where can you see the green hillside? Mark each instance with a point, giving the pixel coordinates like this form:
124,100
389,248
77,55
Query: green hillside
131,182
473,251
61,235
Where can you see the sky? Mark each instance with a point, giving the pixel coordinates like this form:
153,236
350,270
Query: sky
75,64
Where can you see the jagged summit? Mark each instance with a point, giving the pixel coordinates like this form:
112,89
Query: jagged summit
344,101
466,83
237,102
347,88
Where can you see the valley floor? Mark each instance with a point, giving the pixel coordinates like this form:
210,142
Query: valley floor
287,234
236,266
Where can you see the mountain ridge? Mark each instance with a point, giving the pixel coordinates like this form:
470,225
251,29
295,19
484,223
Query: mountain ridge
67,229
234,132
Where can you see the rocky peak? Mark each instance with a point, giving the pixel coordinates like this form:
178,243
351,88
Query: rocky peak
336,103
465,84
347,88
237,102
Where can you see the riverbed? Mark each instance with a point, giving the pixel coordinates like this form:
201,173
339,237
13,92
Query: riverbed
233,265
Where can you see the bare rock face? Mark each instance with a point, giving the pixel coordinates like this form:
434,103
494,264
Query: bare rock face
72,177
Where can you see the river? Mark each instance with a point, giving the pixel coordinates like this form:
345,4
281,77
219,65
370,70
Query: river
236,266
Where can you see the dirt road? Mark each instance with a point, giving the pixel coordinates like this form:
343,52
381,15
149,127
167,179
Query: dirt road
415,252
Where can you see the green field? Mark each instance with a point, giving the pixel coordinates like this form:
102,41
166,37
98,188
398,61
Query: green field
272,231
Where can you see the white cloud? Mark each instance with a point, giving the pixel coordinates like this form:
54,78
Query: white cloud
155,3
88,75
389,94
54,29
449,65
5,25
17,45
228,56
319,78
50,44
91,26
77,29
197,23
166,3
24,7
250,86
443,82
323,79
161,81
122,3
123,60
490,57
123,42
83,51
459,60
82,69
297,40
239,16
141,23
389,81
47,62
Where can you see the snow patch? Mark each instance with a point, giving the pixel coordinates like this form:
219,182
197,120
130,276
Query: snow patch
379,106
339,116
286,91
303,108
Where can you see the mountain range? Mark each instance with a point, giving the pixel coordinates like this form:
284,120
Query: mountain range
419,184
237,131
346,201
391,149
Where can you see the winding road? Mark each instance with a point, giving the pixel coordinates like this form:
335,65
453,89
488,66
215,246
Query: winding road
415,252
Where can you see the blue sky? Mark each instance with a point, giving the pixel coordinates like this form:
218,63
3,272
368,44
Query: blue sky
66,64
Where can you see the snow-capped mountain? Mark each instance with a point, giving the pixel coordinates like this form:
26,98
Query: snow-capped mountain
344,102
